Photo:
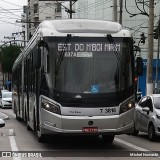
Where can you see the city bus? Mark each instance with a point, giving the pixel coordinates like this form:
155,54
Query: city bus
76,77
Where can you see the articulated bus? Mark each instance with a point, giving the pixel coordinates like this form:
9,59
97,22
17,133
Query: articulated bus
76,77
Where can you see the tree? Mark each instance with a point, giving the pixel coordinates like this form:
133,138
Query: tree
7,57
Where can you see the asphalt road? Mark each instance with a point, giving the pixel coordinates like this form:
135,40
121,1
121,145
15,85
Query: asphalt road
15,137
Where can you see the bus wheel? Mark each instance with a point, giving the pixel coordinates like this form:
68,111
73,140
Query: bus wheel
41,137
34,123
25,115
17,117
29,128
135,131
108,138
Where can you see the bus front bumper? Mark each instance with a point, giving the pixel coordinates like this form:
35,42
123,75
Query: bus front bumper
114,124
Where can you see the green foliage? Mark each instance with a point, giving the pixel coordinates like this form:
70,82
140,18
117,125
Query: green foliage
7,57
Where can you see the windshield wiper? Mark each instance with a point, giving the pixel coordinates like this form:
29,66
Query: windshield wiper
111,41
118,56
61,57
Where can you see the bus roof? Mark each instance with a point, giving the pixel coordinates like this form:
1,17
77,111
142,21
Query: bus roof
81,26
76,27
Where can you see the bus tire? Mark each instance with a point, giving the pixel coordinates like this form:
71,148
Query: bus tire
25,115
17,117
41,137
34,123
135,131
29,128
108,138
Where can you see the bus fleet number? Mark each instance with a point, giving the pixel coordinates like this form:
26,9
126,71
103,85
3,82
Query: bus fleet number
108,110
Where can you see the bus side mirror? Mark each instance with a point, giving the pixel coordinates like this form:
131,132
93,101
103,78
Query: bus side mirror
139,66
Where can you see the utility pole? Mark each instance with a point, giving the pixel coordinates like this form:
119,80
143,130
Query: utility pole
70,9
149,80
157,62
120,11
115,10
157,66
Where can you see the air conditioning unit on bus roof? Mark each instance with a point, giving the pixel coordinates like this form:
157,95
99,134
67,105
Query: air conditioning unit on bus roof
82,26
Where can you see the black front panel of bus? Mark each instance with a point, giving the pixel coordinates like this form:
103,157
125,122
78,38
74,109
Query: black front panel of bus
85,70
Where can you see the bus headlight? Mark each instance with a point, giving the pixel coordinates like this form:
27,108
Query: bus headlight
54,108
126,107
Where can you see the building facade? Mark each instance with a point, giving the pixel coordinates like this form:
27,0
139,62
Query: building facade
24,25
39,11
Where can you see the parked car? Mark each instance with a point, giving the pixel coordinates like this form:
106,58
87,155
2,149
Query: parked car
6,100
4,90
2,123
147,116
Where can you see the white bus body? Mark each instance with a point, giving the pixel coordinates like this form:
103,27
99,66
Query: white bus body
79,52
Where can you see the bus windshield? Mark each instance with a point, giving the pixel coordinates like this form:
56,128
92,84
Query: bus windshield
90,65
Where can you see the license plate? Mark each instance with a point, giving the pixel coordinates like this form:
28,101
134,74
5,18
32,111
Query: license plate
89,129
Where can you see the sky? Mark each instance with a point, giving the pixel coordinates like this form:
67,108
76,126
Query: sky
10,11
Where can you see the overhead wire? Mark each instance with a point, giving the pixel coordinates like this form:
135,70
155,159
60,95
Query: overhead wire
8,17
11,3
9,12
10,23
141,12
43,7
12,12
92,6
89,7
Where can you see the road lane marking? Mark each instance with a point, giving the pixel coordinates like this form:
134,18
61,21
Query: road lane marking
15,148
13,145
131,145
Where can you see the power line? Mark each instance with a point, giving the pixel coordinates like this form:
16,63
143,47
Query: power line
11,3
135,14
9,11
8,17
91,6
13,9
11,23
96,10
